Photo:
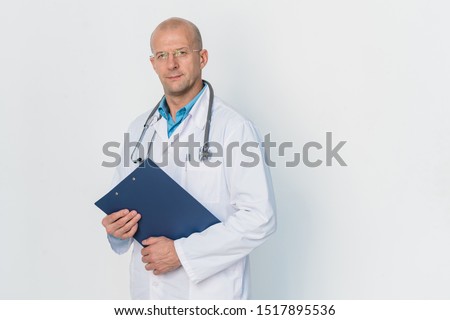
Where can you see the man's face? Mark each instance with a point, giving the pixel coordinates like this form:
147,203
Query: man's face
178,75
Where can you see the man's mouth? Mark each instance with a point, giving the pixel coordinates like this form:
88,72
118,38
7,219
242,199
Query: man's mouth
174,77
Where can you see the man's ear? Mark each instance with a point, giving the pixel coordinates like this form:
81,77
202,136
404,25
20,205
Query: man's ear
203,58
152,61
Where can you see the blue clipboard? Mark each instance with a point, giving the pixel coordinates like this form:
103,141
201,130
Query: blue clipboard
166,208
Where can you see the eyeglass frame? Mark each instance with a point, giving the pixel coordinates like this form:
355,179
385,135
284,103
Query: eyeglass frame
175,53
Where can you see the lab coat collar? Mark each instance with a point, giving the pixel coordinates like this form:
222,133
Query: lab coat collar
199,111
161,127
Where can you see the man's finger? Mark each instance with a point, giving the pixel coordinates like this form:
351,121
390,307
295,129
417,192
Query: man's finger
130,233
152,240
110,218
119,228
130,224
150,266
119,223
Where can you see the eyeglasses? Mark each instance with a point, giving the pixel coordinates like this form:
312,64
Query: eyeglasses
178,53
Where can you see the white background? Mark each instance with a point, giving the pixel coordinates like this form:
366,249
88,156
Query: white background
74,74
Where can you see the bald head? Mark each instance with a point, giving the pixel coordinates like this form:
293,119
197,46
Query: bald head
175,23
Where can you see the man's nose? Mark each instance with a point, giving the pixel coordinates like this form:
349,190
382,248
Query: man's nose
172,62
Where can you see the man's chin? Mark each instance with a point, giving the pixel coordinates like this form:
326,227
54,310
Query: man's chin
175,89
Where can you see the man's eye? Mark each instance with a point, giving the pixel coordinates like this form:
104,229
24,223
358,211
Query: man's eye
182,53
161,56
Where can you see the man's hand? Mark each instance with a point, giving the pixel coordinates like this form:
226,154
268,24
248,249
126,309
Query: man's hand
122,224
160,255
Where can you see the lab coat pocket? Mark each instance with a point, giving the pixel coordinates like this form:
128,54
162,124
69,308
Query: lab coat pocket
204,183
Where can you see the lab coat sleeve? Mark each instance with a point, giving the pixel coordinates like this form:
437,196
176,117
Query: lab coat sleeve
119,246
251,196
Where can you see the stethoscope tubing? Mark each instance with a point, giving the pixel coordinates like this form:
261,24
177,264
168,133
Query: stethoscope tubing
204,150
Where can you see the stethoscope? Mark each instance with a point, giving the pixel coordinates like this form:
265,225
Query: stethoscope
151,120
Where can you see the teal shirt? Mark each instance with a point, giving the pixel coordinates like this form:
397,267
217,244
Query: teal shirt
181,114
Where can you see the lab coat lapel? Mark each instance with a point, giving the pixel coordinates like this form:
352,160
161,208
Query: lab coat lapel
161,129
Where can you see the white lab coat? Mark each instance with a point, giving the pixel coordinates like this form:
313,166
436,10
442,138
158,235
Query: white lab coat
215,262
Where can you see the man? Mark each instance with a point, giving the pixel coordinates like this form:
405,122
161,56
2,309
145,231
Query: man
212,264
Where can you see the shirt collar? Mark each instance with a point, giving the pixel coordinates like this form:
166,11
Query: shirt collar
163,108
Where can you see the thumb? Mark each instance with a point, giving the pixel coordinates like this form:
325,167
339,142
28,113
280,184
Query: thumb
151,240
